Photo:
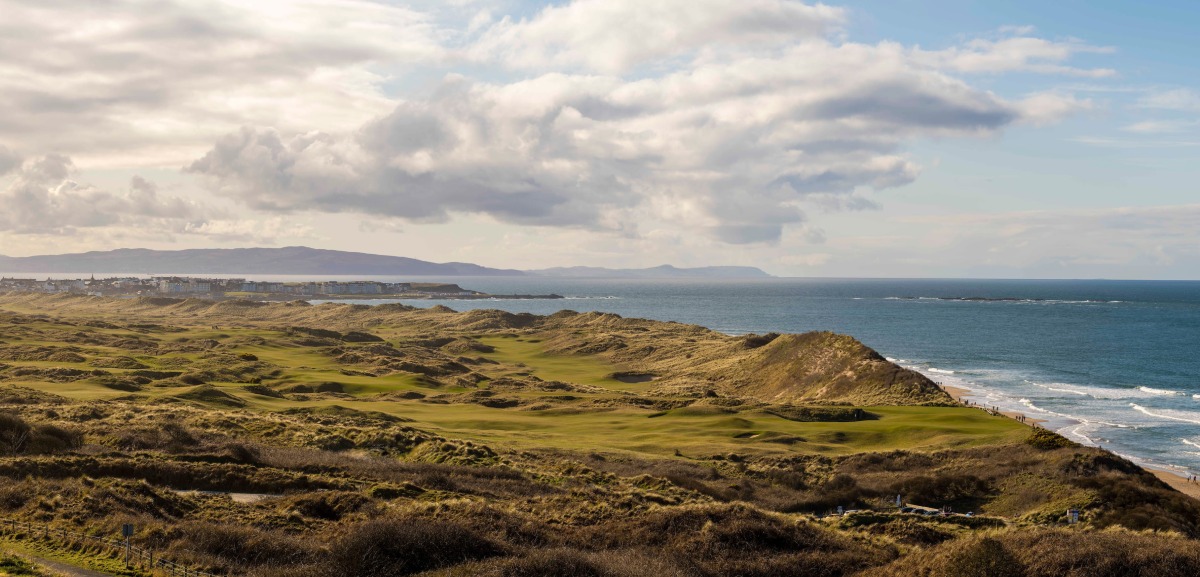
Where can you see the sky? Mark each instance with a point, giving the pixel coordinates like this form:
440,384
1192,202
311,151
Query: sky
878,138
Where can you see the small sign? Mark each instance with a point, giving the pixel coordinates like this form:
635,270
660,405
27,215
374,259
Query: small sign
1074,514
127,530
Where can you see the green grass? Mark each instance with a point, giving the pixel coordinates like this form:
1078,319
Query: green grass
17,567
571,425
568,369
105,562
634,430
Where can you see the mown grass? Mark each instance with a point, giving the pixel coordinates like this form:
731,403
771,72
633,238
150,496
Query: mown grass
635,430
529,354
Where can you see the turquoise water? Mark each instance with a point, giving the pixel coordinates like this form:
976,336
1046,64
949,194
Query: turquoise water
1114,363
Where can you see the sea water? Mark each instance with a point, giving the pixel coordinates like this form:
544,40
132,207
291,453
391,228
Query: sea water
1109,363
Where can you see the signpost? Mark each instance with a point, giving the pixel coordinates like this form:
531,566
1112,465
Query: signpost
127,532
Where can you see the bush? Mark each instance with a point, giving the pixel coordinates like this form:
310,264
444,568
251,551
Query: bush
543,562
239,546
53,438
14,433
1046,440
1032,552
985,557
405,546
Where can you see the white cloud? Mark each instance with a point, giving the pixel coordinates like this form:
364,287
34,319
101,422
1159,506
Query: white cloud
612,36
1161,126
734,120
742,143
734,145
250,230
139,82
1018,30
1050,107
9,160
42,198
1019,53
1180,99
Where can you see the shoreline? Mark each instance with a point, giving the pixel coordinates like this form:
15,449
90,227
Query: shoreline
960,394
1173,479
1176,481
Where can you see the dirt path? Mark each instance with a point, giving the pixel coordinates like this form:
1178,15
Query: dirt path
59,567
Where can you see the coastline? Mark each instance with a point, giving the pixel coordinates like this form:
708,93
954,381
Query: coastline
1171,478
1176,481
960,394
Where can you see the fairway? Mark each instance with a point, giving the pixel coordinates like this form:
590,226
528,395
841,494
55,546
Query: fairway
529,354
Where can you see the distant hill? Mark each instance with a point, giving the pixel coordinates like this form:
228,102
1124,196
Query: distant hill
664,271
296,260
301,260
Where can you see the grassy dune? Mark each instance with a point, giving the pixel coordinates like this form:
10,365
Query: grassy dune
485,443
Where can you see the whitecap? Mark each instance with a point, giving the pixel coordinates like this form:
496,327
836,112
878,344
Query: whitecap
1182,416
1076,418
940,371
1154,391
1071,391
1094,392
1076,431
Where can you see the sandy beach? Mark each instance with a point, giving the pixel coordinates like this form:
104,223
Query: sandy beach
959,393
1177,482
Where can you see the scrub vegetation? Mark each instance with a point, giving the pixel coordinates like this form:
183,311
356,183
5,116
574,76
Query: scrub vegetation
283,439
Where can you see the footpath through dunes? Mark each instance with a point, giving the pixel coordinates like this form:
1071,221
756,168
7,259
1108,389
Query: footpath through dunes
390,440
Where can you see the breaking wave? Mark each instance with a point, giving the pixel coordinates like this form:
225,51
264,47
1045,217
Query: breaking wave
1182,416
1154,391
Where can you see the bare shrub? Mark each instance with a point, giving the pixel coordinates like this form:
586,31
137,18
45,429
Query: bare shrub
14,433
403,546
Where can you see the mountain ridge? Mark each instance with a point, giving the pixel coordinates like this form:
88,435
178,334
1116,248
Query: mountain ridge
301,260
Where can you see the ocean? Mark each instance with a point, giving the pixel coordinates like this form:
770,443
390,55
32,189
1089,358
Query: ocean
1110,363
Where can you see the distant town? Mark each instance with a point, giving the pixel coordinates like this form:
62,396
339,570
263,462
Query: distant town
221,288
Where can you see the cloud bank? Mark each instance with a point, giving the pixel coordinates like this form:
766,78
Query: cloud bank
43,199
699,124
728,120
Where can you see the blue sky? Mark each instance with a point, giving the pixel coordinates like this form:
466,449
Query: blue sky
874,138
